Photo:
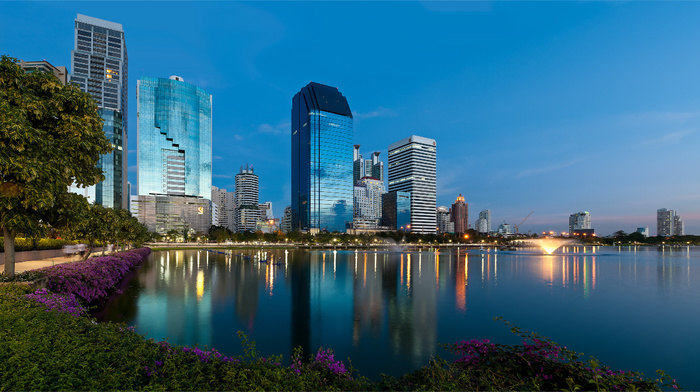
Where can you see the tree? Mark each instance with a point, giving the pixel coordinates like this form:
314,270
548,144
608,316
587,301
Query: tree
50,137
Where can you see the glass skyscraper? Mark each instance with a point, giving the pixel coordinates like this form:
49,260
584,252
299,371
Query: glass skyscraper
174,138
174,155
322,159
100,67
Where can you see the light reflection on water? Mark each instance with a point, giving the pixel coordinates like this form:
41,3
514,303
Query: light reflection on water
634,308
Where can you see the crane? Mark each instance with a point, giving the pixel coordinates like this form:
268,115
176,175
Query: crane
518,225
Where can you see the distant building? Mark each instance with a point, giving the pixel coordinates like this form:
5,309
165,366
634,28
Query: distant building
44,66
413,169
266,211
322,159
366,167
396,210
483,224
444,223
286,224
643,231
668,223
504,229
227,205
459,215
580,224
247,210
367,208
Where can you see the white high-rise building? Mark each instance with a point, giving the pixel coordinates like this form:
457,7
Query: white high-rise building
444,224
413,169
367,209
483,224
579,221
99,66
247,211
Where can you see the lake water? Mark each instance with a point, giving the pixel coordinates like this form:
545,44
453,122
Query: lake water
632,308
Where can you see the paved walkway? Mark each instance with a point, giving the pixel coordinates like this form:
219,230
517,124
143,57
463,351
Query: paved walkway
36,264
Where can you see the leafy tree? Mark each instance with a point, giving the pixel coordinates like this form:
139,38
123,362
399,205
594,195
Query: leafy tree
50,137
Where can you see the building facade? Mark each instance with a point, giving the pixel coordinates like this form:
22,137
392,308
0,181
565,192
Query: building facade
366,167
227,205
367,209
100,67
668,223
483,224
44,66
322,159
396,210
444,220
580,224
247,212
174,150
412,168
459,215
286,223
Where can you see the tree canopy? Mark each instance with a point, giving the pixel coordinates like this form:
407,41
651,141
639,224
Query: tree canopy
50,137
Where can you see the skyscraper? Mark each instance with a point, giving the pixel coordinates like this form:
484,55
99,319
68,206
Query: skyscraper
668,223
367,210
174,154
483,224
459,214
100,67
444,221
412,168
366,167
226,203
396,210
247,210
322,159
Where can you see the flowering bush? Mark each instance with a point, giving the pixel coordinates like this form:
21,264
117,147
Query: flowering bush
92,279
63,303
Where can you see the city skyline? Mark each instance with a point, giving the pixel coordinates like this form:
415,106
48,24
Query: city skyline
526,100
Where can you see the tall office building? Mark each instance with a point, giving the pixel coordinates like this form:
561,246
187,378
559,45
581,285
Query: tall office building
580,224
483,224
366,167
459,214
247,210
322,159
286,223
174,155
412,168
668,223
100,67
396,210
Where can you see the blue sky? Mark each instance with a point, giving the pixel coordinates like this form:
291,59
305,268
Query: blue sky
551,107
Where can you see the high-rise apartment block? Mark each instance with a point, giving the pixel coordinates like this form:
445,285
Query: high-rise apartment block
367,210
444,222
483,224
226,204
580,224
44,66
100,67
459,214
668,223
286,223
412,168
174,155
322,159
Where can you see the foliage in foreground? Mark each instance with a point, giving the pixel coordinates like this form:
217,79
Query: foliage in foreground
47,342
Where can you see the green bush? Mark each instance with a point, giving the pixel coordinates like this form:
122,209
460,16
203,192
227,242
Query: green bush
23,244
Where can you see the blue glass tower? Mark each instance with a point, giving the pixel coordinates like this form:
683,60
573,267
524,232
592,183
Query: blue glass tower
322,159
174,138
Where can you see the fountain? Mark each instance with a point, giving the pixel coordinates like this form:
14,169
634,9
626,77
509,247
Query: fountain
549,245
391,242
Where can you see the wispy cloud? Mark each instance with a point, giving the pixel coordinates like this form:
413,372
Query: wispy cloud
132,168
280,128
550,168
238,137
216,157
656,117
381,112
669,138
221,176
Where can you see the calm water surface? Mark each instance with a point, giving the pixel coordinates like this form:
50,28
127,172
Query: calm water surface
632,308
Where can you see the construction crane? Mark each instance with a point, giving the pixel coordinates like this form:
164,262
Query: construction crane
518,225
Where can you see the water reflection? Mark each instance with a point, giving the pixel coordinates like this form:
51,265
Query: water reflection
389,310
